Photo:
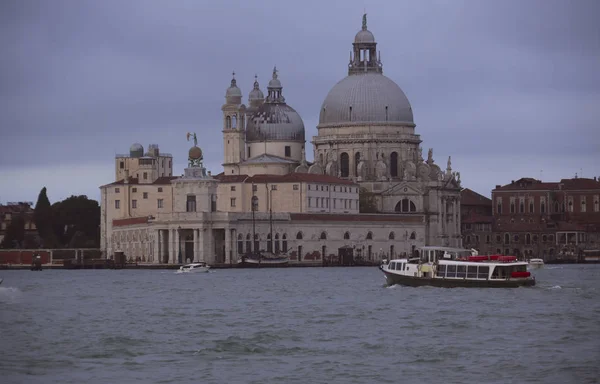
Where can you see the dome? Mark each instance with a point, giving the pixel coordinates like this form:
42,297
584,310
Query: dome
364,36
256,95
275,122
195,153
136,150
367,98
233,95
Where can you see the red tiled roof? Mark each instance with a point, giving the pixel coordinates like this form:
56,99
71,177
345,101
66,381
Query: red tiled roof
130,221
163,180
469,197
580,183
288,178
356,217
527,183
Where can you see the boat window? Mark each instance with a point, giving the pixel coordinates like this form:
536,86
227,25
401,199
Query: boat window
451,271
472,272
441,270
484,272
393,265
461,271
404,266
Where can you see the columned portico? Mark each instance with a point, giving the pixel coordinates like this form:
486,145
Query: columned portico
227,245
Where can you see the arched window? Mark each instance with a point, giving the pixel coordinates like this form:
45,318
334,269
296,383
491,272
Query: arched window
248,244
284,243
347,236
528,239
392,236
234,121
277,243
269,243
405,206
228,122
370,235
344,164
254,203
394,164
521,207
543,207
413,236
240,244
531,207
299,236
256,243
556,206
356,161
506,238
323,236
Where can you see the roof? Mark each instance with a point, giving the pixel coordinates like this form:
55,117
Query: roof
475,218
163,180
409,218
528,183
469,197
289,178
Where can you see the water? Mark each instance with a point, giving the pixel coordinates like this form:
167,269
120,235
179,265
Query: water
304,325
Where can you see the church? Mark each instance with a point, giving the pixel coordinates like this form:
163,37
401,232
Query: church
270,198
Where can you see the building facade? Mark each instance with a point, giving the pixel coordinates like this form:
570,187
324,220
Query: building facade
270,198
477,222
551,220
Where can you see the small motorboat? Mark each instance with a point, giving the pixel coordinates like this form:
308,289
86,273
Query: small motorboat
194,268
535,263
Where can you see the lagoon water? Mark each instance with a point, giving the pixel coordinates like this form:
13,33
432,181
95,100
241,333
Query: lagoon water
295,325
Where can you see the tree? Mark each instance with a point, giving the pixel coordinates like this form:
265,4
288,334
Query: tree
15,233
367,201
42,217
77,222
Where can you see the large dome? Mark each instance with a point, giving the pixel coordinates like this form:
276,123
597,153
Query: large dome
367,98
275,122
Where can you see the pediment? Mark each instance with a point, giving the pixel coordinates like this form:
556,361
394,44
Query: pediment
403,188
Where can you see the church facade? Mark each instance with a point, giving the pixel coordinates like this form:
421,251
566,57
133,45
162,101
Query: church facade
270,198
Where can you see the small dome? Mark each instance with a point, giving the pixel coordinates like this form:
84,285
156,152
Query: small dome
275,122
233,95
256,94
195,153
136,150
364,36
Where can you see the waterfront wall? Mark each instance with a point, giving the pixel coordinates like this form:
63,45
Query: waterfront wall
49,256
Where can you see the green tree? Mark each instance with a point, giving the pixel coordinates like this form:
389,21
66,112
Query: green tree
77,222
15,232
42,217
367,201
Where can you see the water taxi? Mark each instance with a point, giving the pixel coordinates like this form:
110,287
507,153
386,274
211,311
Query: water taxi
535,263
456,267
194,268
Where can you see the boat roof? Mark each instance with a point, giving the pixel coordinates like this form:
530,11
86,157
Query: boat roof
449,249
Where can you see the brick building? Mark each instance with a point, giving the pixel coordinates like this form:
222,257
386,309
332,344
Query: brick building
476,221
10,210
551,220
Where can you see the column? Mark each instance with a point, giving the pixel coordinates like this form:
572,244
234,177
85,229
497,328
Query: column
195,256
177,247
172,242
201,245
161,240
442,216
228,245
156,251
209,254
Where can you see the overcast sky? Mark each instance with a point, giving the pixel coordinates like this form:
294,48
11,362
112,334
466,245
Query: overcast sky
510,89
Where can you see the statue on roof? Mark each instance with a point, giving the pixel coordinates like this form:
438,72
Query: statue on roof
364,23
192,135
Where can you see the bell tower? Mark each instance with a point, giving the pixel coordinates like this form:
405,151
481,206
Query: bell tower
234,128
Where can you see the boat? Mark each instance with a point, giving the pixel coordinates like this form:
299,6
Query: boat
1,281
455,267
535,263
194,268
263,259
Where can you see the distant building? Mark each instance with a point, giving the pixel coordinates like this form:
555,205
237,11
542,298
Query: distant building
269,197
547,219
10,210
476,221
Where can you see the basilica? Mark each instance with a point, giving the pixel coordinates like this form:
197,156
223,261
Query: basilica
268,197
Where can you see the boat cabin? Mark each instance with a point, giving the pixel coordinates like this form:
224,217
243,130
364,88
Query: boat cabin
432,254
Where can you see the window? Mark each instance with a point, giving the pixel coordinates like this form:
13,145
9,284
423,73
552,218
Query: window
344,164
392,236
232,189
145,176
269,243
499,208
299,236
134,204
521,207
248,244
370,236
288,151
213,203
159,203
274,187
530,206
232,201
134,190
506,238
512,207
323,236
122,165
190,205
516,238
487,239
240,244
145,195
405,205
160,189
543,207
277,243
295,187
117,204
309,202
394,164
413,236
582,209
347,236
117,190
249,152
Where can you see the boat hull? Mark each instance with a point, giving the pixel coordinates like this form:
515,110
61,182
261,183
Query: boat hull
393,279
263,263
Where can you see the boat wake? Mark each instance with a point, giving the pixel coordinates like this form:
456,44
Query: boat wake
9,294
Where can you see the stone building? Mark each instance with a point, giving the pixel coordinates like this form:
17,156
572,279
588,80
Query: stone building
12,209
547,219
270,198
476,222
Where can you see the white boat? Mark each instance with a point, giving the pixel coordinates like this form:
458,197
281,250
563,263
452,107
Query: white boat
535,263
264,259
194,268
456,267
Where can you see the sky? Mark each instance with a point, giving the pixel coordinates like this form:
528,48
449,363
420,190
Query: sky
508,88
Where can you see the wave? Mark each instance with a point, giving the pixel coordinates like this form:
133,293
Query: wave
9,294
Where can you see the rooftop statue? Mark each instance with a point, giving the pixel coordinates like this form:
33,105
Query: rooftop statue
192,135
